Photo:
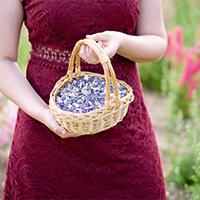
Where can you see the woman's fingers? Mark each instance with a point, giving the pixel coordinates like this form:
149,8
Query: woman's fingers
49,120
110,49
56,128
91,56
88,54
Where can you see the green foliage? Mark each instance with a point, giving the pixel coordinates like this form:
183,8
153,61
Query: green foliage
195,191
152,74
187,16
24,49
185,171
179,103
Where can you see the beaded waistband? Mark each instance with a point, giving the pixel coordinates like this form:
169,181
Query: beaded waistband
52,54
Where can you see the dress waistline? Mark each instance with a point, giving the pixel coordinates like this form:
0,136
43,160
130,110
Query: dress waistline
52,54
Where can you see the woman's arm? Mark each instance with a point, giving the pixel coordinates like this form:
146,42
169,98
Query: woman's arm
149,44
13,83
151,41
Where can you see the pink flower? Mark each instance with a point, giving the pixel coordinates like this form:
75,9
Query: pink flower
169,51
191,72
178,51
175,47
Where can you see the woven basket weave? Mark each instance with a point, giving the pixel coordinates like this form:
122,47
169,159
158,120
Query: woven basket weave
100,119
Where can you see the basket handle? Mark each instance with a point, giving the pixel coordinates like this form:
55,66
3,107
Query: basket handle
106,64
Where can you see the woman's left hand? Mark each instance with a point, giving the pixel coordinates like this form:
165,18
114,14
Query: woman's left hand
108,40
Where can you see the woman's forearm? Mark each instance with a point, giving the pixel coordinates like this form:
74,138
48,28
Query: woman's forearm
142,48
15,86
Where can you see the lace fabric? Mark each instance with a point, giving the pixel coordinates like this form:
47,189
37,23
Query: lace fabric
122,162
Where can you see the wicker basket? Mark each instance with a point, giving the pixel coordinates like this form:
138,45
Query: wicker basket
100,119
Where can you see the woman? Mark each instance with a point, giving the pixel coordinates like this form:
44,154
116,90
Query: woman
122,162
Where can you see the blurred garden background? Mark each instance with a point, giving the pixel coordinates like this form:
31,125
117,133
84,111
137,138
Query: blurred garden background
172,93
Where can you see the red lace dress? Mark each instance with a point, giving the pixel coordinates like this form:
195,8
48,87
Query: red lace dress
122,162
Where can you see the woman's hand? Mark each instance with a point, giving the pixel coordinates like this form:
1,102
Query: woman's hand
48,119
108,40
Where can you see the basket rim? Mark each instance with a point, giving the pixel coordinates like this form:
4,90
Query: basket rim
62,81
113,108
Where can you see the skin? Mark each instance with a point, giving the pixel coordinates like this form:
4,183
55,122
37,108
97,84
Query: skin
149,45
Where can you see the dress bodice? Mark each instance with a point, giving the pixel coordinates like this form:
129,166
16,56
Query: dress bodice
62,23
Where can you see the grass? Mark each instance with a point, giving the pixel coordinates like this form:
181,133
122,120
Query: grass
24,49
